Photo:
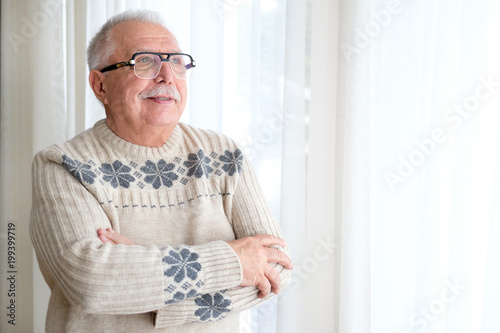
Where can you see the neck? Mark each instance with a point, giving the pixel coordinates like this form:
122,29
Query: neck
148,136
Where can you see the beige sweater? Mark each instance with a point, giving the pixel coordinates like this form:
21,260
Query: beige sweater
179,203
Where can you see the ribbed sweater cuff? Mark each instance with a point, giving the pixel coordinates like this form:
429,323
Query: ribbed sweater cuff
221,266
172,315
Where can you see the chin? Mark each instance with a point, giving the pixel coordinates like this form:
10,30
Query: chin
163,120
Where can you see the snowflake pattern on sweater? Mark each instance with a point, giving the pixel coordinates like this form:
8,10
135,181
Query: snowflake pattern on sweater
159,174
81,171
211,307
156,174
183,267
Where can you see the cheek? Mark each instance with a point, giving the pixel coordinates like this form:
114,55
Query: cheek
183,91
128,86
129,92
123,98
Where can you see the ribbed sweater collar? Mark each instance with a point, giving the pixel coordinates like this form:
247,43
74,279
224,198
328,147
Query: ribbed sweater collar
119,145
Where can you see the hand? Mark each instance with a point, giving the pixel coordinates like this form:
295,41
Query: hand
110,236
255,255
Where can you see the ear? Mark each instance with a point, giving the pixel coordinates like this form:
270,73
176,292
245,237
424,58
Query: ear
96,80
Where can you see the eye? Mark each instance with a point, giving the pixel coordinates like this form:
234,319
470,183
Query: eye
144,59
177,60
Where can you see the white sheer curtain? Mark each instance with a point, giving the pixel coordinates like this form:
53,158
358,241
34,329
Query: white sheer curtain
419,174
372,125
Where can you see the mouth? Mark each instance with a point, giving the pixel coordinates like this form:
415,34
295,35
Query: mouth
161,98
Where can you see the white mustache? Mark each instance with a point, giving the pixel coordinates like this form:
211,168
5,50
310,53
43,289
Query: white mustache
162,90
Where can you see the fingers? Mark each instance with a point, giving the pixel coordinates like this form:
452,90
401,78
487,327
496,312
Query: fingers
101,233
255,254
277,256
270,282
104,239
117,238
264,287
269,240
111,236
274,279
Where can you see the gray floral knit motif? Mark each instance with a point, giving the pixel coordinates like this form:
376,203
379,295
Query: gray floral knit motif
183,266
233,162
198,165
117,174
81,171
158,174
211,307
180,296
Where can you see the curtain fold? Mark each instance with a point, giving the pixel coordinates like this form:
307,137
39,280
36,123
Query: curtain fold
419,104
34,114
322,201
293,157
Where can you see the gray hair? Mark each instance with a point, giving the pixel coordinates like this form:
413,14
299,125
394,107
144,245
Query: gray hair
102,46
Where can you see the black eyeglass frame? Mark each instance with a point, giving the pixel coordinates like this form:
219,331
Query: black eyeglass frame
131,62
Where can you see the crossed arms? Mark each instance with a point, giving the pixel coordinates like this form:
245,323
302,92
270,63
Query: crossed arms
124,279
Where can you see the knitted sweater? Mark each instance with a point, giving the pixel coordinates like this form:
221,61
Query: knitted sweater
179,203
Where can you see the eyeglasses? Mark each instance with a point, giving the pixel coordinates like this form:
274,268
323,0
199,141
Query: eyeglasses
147,65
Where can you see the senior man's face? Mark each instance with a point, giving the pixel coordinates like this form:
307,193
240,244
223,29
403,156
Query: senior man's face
142,105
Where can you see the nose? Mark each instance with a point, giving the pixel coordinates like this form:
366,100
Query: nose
166,74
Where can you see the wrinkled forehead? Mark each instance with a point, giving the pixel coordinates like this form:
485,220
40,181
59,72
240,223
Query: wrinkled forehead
153,44
133,37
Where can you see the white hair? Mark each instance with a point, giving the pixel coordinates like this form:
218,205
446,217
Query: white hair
102,46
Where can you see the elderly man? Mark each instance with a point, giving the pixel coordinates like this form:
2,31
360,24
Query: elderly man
142,223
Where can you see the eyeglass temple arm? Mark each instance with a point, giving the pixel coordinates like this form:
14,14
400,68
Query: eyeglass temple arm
118,65
191,65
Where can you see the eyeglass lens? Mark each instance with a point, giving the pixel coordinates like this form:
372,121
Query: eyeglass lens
147,66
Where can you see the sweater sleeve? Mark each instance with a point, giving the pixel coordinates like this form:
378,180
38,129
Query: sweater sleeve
251,216
106,279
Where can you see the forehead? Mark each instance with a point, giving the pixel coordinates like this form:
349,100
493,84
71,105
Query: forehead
131,37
